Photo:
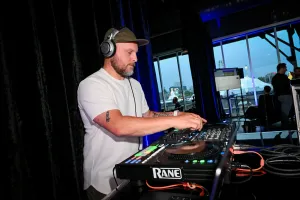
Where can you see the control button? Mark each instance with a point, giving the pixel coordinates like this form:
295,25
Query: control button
202,161
138,161
128,161
186,161
210,161
222,153
195,161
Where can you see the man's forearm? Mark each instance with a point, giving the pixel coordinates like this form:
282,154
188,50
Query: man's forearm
141,126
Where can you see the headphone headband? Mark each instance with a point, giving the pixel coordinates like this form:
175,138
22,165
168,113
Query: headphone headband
108,46
113,34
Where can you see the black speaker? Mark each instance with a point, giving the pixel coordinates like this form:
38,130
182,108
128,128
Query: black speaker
240,72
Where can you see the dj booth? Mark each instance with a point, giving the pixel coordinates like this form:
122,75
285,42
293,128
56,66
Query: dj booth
214,163
209,165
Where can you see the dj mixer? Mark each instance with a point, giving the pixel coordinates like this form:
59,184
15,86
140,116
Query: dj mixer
182,155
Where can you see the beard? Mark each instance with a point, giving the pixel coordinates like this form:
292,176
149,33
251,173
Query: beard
121,69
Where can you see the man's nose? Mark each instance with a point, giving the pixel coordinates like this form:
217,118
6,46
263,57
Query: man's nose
134,57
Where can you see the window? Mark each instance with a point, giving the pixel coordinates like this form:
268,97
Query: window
284,49
171,82
297,45
236,56
159,84
254,52
264,61
187,82
218,57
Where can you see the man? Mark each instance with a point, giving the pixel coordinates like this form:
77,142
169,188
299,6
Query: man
268,108
282,88
177,104
115,113
296,74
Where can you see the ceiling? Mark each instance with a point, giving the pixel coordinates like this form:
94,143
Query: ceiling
164,15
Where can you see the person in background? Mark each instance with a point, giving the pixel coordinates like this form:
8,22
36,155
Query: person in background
296,73
282,88
268,108
177,104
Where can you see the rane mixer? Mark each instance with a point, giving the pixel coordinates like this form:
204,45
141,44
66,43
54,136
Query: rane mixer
181,155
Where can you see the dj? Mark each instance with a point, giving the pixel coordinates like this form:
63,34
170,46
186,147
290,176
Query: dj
115,113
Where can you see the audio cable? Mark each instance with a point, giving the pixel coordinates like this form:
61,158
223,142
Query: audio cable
185,185
135,110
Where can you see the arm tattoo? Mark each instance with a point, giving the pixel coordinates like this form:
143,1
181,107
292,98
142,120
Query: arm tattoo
107,116
162,114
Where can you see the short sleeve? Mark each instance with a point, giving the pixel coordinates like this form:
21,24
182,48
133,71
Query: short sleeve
95,98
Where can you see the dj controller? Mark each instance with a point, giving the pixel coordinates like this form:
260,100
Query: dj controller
180,155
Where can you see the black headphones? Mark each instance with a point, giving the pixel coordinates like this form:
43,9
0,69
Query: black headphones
108,46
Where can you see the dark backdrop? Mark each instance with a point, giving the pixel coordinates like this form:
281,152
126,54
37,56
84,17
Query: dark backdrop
46,48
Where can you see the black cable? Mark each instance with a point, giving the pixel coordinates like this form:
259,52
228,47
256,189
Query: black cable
135,110
247,179
269,161
282,160
115,177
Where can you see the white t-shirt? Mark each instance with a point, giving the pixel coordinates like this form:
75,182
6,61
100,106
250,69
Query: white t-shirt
99,93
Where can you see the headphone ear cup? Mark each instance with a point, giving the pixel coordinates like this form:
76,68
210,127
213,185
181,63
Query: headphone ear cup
108,48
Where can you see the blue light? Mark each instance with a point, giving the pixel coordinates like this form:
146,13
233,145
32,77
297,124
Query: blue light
128,161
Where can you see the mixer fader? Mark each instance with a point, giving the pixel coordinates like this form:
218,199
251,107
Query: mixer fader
212,134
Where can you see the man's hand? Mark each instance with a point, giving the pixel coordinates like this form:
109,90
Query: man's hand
188,113
189,120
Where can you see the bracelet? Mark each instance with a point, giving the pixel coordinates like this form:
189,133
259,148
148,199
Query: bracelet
175,113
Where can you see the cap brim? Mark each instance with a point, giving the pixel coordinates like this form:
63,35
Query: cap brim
142,42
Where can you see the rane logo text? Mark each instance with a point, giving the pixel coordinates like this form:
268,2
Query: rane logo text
167,173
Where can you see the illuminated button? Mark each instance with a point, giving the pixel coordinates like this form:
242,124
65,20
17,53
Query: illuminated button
138,154
210,161
128,161
152,148
138,161
133,161
186,161
202,161
222,153
195,161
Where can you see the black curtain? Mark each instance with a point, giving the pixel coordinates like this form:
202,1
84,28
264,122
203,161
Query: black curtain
196,39
134,15
46,48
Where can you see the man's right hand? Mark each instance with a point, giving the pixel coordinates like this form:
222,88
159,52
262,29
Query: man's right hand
189,120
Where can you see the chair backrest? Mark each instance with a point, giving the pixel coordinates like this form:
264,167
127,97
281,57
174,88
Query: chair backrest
269,106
